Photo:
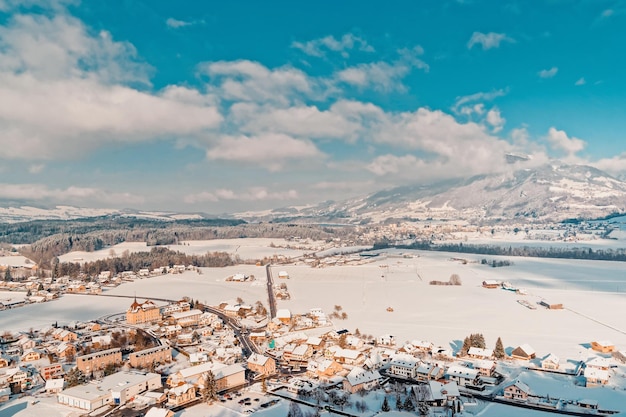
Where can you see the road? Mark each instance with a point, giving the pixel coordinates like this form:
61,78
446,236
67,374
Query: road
270,291
240,331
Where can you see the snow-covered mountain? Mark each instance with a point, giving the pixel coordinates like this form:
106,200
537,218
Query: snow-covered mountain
552,192
28,213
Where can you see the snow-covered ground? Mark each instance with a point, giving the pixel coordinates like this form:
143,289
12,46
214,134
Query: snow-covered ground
592,292
251,248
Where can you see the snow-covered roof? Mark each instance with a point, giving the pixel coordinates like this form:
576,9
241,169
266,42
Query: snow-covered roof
599,362
53,384
520,385
485,353
157,412
283,313
258,359
527,349
596,373
551,358
463,372
360,376
181,389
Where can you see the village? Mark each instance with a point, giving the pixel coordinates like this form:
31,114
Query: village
161,355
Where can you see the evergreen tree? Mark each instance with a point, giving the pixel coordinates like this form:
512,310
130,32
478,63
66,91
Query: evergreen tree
466,346
399,403
498,351
409,405
75,377
209,388
7,274
385,407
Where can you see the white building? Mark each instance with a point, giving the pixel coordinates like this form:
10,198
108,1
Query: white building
114,389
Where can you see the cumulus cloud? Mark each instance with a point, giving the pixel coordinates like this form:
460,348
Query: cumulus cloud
559,140
384,76
251,194
245,80
319,47
495,119
299,120
488,40
269,150
548,73
65,91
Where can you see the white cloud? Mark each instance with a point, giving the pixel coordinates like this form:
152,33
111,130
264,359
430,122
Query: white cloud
461,101
488,40
384,76
70,195
299,120
270,150
64,91
559,140
615,165
495,119
608,13
318,47
252,194
245,80
548,73
580,81
175,23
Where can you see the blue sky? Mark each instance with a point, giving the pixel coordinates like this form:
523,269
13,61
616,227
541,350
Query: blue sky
246,105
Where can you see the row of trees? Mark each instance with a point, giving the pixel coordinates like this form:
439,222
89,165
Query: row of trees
158,257
477,340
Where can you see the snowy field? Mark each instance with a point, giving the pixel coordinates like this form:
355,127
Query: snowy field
252,248
592,292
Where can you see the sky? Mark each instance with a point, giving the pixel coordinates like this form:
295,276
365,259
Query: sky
226,106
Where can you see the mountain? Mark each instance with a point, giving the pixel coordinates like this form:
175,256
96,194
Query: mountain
29,213
550,193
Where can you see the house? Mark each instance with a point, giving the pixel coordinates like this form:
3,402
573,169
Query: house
490,283
595,376
348,356
54,386
64,335
4,361
360,379
479,353
283,275
31,355
485,367
599,363
66,350
517,391
427,371
550,362
261,364
181,394
523,352
603,346
462,376
436,394
25,343
297,353
146,312
100,342
323,370
284,315
386,340
404,366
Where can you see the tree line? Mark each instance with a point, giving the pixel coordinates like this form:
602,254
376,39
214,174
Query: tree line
606,254
158,257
